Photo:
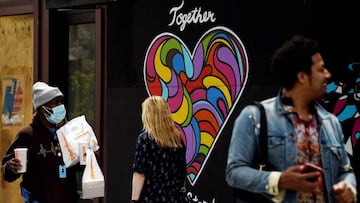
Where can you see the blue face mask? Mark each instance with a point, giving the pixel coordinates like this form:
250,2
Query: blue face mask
59,113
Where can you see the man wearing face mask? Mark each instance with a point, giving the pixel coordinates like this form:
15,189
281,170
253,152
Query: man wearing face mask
46,179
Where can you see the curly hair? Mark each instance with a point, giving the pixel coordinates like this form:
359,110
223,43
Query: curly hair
294,56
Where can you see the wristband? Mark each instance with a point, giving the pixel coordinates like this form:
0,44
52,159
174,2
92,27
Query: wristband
133,201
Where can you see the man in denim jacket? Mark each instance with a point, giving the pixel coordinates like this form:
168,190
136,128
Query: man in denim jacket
300,131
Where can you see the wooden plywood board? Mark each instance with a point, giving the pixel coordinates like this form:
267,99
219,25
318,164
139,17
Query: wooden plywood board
16,78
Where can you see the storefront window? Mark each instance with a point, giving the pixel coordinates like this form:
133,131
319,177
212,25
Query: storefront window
81,75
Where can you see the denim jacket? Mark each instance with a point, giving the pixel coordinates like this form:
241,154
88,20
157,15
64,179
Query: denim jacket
282,150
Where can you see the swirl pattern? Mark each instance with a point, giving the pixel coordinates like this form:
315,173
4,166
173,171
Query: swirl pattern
201,89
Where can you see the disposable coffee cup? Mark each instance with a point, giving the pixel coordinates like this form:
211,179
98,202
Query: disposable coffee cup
21,154
83,146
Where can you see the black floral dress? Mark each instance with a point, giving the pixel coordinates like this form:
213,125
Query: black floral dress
164,170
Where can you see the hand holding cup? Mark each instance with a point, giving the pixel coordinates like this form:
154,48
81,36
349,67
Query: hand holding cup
19,162
14,165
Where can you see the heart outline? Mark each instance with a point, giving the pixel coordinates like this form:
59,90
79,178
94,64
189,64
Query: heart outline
202,107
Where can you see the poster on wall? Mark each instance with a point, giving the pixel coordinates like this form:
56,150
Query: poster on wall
13,100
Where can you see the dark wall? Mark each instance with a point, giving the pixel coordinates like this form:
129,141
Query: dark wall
334,25
261,25
133,26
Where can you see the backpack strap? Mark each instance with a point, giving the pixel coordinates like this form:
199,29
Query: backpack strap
263,141
260,162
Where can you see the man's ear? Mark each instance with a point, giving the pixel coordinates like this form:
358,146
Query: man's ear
302,77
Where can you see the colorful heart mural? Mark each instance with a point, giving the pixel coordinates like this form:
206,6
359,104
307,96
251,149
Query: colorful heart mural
201,89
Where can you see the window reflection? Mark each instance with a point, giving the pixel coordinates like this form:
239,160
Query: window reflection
81,98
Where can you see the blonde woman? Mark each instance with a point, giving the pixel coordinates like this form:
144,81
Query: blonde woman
159,169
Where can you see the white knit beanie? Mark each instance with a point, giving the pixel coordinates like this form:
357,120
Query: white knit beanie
43,93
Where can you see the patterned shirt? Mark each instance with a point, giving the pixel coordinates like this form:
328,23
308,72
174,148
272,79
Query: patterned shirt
308,147
164,170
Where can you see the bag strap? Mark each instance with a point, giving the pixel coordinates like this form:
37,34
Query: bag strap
263,141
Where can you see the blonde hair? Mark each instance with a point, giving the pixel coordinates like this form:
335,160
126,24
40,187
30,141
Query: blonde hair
157,121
